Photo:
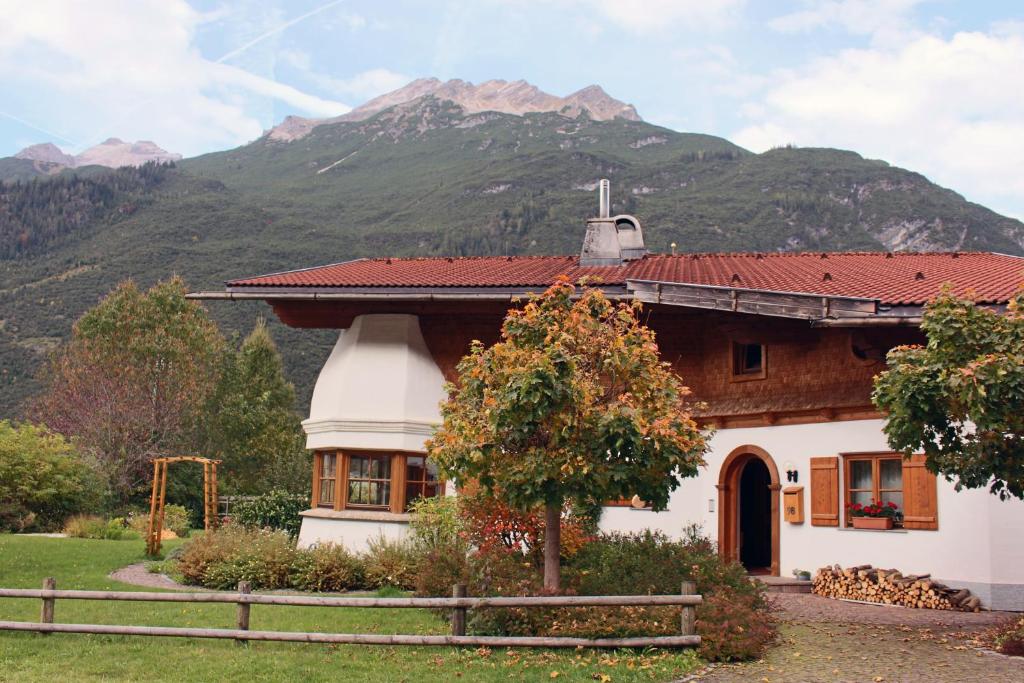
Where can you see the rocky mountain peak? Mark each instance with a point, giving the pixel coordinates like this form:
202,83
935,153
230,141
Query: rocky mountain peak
509,97
112,152
47,152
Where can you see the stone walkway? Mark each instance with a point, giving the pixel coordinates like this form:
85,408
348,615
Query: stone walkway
828,641
137,575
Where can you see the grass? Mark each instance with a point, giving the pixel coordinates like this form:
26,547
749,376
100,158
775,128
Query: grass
86,564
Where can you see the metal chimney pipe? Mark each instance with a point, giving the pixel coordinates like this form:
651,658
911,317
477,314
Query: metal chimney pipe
604,209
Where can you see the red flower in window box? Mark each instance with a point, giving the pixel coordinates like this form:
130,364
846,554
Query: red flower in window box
878,515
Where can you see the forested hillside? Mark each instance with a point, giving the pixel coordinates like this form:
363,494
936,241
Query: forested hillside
426,178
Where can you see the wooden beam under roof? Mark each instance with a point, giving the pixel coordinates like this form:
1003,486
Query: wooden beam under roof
813,307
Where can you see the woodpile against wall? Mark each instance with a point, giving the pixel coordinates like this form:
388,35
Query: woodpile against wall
891,587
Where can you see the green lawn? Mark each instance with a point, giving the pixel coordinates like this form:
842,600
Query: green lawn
85,564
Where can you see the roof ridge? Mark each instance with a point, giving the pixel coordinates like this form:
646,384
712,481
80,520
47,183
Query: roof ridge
506,257
818,253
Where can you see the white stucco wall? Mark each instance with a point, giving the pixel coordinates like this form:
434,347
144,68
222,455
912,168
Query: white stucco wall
355,535
379,389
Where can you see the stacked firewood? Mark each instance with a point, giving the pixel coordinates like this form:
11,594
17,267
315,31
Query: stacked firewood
891,587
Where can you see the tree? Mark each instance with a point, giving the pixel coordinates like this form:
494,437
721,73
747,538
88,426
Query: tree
959,399
572,405
251,420
131,383
43,479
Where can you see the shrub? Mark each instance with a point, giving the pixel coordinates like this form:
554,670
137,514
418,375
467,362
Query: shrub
734,626
734,621
437,533
1010,639
222,558
43,479
277,510
176,518
91,526
390,563
491,523
327,568
437,524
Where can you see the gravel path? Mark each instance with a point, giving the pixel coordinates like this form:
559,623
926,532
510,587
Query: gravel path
137,575
828,641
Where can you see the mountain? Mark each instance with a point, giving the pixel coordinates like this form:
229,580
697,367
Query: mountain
426,177
115,153
46,152
48,159
517,97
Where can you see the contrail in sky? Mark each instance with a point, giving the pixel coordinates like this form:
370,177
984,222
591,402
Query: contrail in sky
291,22
23,122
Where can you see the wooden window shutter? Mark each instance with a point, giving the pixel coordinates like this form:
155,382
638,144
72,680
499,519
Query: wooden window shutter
920,500
825,491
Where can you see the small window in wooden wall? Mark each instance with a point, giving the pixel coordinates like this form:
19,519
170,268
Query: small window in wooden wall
749,361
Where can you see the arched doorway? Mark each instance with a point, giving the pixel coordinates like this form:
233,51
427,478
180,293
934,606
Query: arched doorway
748,517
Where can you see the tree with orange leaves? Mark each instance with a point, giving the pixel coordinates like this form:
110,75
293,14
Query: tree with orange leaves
572,405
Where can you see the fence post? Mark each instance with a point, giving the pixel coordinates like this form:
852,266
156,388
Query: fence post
46,612
459,613
689,621
244,588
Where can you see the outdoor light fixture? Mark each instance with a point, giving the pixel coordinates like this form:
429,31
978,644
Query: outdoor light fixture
711,504
792,475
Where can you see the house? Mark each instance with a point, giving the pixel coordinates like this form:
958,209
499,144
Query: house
781,348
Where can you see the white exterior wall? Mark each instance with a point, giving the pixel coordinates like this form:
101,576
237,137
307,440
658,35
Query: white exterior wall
379,389
978,543
353,534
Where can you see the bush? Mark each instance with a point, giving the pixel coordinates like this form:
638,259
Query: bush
734,626
220,559
327,568
734,621
437,534
176,518
278,510
1010,639
43,479
437,524
91,526
391,563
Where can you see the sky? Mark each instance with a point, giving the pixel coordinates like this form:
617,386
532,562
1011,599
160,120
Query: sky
935,86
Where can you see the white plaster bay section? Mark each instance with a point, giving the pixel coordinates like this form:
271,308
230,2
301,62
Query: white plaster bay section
355,530
380,389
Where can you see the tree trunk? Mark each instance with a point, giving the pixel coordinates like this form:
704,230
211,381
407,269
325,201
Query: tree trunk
552,545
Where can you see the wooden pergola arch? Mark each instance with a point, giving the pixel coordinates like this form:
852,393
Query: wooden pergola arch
156,501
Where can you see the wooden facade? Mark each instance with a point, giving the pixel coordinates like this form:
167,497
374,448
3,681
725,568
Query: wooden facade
810,374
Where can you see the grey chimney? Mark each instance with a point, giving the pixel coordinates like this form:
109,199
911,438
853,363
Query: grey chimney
611,240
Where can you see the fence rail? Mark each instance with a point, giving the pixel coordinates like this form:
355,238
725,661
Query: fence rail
458,604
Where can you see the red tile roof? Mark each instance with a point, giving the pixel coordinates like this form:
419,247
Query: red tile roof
891,278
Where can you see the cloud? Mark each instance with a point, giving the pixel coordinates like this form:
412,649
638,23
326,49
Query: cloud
361,87
133,70
651,16
861,17
950,108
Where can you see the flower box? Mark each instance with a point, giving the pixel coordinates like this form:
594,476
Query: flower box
872,522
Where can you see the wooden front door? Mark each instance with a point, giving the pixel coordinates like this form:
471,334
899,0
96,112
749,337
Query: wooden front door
748,511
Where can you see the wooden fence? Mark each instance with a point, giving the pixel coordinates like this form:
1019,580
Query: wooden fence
458,604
